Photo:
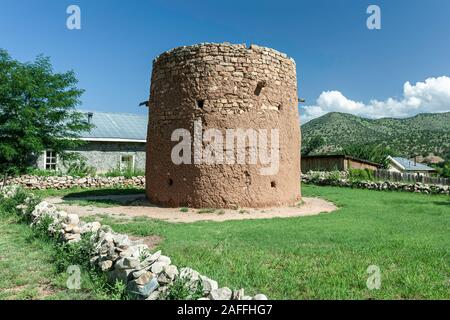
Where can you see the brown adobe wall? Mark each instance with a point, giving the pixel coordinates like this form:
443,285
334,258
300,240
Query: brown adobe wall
227,87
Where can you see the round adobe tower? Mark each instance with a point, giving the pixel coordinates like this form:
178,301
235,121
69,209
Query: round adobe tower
212,102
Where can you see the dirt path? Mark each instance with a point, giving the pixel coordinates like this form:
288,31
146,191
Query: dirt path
129,206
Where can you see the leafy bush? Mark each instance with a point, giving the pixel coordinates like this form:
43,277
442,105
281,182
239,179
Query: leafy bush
73,253
41,229
9,205
314,176
361,174
68,254
180,290
127,173
371,152
312,144
334,177
443,169
79,168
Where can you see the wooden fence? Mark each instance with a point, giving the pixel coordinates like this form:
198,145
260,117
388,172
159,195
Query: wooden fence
410,178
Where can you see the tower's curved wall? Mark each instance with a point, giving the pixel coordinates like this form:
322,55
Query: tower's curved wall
224,86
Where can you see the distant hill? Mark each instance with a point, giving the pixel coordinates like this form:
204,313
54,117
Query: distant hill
419,135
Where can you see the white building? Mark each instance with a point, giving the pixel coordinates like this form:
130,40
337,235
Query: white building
403,165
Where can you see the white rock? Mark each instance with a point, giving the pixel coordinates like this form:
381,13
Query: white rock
238,294
158,267
105,265
76,229
221,294
155,256
139,250
121,240
208,285
171,271
73,237
137,274
260,297
41,208
153,296
126,253
164,259
189,274
72,219
107,236
90,227
144,278
163,279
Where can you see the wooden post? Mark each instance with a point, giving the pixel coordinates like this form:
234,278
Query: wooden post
5,177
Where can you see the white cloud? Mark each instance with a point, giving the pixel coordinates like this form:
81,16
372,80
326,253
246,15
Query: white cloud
432,95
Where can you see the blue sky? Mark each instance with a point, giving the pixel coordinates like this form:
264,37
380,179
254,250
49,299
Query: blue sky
341,65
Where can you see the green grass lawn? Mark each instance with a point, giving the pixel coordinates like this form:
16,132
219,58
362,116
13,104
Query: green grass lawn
325,256
29,267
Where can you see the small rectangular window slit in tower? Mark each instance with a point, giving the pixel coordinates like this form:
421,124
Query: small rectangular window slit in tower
200,103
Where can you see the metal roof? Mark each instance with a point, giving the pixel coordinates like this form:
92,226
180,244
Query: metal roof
109,126
341,156
409,165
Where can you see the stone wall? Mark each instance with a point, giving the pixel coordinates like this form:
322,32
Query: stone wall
105,156
225,86
341,179
146,275
65,182
313,177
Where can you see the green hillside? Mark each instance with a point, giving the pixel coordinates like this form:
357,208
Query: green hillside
419,135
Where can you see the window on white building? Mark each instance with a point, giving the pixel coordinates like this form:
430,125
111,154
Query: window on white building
51,160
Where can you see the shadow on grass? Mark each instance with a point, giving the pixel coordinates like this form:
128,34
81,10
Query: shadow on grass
442,203
104,192
108,198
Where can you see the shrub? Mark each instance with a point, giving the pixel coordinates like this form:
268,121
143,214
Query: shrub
314,176
372,152
333,177
180,290
127,173
361,174
79,168
8,205
74,253
41,229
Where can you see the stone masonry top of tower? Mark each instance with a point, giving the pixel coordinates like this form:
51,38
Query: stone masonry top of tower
221,47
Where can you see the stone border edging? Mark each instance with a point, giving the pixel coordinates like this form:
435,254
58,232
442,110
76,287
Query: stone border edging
66,182
332,179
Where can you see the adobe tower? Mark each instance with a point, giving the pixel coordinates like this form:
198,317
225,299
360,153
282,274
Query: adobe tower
217,90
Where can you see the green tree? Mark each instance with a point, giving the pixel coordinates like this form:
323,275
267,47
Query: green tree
37,112
371,152
443,169
313,144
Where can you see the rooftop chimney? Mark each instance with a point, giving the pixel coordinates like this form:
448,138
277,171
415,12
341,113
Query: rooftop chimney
89,115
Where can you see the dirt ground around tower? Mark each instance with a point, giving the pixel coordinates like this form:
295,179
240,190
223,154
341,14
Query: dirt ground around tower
130,206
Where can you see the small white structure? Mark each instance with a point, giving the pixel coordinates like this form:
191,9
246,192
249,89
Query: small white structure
403,165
